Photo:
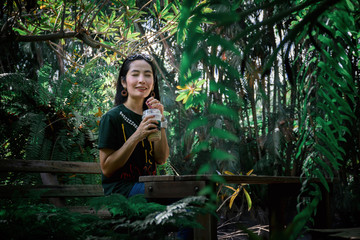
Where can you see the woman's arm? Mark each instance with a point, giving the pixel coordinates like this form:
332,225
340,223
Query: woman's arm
111,160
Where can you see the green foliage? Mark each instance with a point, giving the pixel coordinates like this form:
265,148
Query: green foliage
117,26
328,122
119,206
212,114
181,214
299,222
323,42
57,117
165,169
132,218
20,221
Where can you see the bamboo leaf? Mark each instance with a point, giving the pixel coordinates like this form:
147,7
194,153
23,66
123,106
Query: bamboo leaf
229,187
221,155
216,40
325,126
249,172
200,83
300,220
322,179
158,6
302,143
205,168
332,113
200,146
228,172
223,134
325,67
181,96
223,110
233,197
350,5
196,123
324,165
328,155
166,9
206,191
330,143
248,199
186,12
217,178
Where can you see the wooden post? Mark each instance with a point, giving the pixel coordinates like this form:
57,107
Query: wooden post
280,196
51,179
323,217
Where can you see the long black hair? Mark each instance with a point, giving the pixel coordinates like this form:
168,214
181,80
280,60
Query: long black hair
119,99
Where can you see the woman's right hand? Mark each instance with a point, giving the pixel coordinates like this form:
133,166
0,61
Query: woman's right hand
147,126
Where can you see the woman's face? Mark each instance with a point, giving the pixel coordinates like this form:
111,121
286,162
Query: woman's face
139,80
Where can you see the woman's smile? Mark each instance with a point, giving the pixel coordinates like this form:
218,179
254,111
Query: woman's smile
141,88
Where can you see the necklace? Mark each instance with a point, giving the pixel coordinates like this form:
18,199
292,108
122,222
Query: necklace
129,121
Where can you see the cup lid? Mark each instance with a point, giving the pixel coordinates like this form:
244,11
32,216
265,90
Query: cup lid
151,111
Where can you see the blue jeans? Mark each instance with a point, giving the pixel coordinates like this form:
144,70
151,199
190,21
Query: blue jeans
138,188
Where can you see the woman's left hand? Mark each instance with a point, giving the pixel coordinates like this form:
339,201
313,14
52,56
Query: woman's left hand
154,103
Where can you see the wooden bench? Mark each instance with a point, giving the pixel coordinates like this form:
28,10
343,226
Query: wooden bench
280,189
156,188
51,189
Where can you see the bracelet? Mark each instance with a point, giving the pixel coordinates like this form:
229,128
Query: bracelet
164,124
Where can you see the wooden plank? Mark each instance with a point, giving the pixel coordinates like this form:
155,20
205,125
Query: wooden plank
46,191
193,178
40,166
238,179
259,179
155,178
174,190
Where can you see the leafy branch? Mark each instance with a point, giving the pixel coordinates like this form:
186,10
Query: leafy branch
236,192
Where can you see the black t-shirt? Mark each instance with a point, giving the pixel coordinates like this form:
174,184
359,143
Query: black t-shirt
116,126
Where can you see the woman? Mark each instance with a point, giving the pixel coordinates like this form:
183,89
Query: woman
125,152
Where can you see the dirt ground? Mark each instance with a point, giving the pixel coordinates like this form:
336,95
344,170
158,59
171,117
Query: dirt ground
234,226
230,231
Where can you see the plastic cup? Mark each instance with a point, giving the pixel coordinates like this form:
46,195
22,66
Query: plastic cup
156,136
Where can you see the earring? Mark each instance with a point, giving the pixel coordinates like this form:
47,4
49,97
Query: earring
124,92
152,93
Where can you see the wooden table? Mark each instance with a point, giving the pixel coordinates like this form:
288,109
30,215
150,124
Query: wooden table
280,189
